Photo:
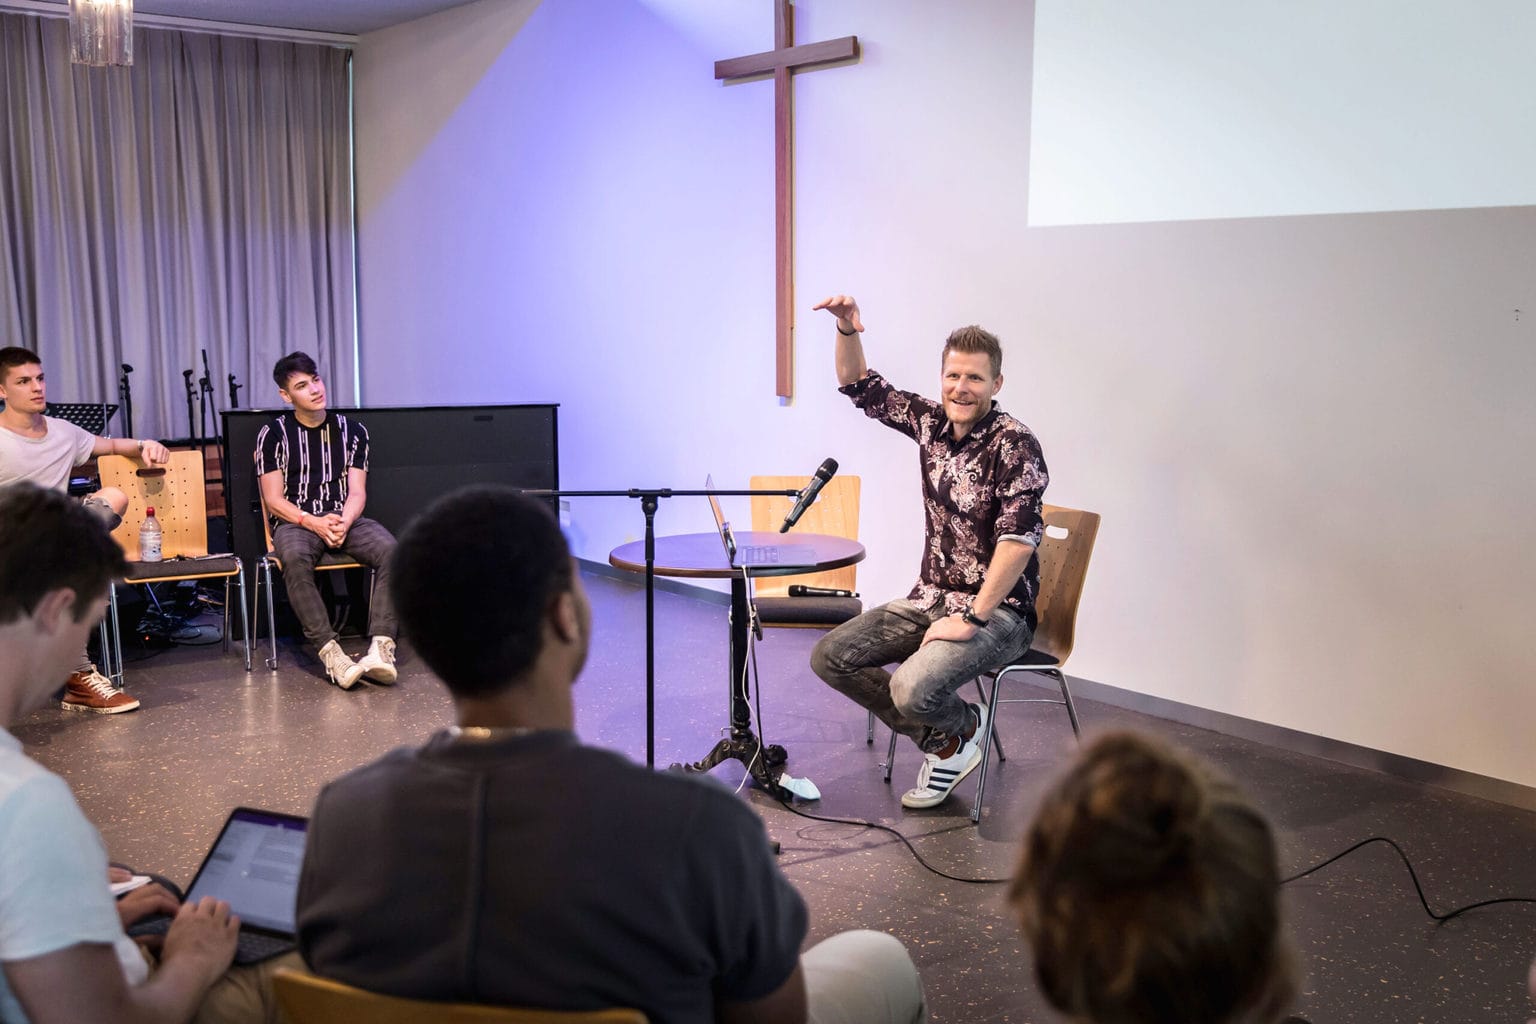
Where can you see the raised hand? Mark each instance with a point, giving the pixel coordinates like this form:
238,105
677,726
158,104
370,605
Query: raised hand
845,309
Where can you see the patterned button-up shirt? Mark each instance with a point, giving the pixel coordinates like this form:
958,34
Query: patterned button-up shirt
976,492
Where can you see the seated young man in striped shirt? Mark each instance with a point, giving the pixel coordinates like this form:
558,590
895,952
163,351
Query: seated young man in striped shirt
312,465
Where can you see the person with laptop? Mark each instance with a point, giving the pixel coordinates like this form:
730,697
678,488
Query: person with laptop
63,954
312,466
42,450
973,606
509,863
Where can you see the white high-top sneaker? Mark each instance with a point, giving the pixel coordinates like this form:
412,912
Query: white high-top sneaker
379,663
344,672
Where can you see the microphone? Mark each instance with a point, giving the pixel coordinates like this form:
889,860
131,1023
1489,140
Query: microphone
801,590
807,498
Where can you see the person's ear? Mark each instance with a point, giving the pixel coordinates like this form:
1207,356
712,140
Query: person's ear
997,384
566,619
54,610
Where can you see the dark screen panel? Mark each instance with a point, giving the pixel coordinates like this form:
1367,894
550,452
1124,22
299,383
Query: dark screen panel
417,455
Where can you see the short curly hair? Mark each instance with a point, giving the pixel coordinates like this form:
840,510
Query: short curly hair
473,578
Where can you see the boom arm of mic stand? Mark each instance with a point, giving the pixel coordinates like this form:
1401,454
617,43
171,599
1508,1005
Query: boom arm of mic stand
649,501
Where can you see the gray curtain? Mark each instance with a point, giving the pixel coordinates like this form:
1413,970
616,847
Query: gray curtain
201,199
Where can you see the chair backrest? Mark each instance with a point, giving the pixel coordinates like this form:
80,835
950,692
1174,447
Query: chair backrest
836,512
307,999
177,496
1063,566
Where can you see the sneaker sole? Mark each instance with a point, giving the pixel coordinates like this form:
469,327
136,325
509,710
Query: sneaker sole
120,709
382,676
344,682
918,800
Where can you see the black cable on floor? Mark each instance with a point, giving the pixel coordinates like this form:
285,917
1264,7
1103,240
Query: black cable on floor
762,732
1412,875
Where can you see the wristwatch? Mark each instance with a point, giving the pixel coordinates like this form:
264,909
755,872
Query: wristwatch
970,616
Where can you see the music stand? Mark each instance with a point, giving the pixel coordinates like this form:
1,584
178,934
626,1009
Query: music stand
91,417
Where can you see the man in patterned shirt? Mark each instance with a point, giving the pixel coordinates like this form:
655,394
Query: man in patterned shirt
312,465
973,607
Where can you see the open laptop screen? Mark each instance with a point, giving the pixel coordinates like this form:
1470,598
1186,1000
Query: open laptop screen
254,865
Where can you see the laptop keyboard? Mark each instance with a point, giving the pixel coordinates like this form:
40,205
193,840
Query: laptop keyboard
250,947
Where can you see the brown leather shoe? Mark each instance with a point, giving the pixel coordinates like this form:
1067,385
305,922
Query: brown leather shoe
92,691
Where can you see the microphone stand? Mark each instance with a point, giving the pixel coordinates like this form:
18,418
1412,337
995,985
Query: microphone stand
234,392
125,396
649,500
186,376
205,399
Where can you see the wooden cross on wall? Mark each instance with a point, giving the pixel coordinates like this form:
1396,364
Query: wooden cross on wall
784,59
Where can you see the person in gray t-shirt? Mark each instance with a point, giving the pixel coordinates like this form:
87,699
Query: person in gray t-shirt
508,863
42,450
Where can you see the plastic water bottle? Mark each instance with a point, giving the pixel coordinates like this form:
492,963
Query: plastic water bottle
149,538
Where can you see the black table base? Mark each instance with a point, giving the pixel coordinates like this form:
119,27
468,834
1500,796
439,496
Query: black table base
765,762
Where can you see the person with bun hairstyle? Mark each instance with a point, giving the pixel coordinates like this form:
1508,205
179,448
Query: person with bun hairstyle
1149,890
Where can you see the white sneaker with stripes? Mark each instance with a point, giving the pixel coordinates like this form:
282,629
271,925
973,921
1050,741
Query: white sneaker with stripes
938,776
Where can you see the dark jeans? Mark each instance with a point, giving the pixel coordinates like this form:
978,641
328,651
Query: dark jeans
111,520
918,700
368,542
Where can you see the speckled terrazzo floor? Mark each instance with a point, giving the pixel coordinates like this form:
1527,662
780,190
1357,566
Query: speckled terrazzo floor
158,783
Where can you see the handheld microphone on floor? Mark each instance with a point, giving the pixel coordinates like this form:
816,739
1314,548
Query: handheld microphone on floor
807,498
801,590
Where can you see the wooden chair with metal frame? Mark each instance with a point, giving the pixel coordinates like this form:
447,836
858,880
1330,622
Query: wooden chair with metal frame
307,999
1064,553
329,562
835,512
176,491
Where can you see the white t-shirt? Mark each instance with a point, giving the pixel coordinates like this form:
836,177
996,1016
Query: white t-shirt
53,873
47,460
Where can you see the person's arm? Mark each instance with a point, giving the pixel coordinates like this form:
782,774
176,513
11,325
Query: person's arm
784,1005
276,497
848,356
152,452
357,497
85,981
1008,563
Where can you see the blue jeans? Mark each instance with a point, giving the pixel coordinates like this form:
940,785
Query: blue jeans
918,700
368,541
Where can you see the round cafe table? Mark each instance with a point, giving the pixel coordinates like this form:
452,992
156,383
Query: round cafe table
703,556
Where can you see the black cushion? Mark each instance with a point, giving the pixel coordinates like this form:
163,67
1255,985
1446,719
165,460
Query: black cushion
808,611
214,565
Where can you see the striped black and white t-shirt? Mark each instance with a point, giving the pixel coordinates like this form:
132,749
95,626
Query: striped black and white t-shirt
313,460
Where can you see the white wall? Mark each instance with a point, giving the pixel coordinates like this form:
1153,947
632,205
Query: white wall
1309,437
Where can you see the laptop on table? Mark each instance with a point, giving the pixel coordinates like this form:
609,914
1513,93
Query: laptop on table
756,556
253,866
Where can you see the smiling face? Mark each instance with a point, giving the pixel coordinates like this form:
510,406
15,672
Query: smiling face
967,387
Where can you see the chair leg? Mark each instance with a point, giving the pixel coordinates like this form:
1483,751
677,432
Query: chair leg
245,622
266,573
869,734
114,655
890,755
1066,698
997,740
226,614
981,782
